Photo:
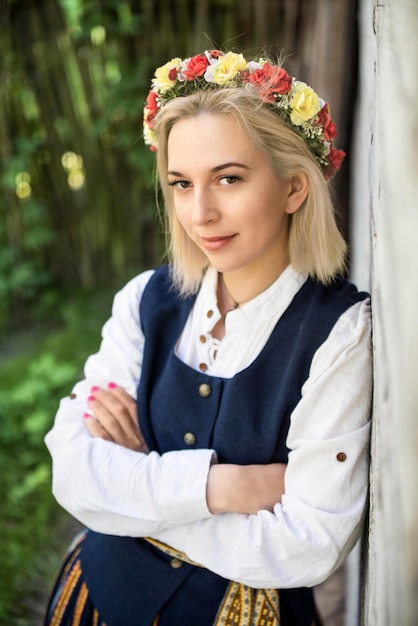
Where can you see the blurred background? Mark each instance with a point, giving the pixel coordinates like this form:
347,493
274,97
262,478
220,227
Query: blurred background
77,205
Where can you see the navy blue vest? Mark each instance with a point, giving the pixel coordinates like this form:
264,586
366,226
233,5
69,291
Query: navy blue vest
244,418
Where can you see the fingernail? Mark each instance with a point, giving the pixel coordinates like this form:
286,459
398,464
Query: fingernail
111,386
91,399
86,416
94,389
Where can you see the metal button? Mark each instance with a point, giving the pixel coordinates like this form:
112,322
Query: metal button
176,563
203,367
341,457
189,439
205,390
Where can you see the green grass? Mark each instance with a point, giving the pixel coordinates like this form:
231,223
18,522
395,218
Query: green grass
37,369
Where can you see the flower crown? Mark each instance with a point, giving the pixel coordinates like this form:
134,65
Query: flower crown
294,101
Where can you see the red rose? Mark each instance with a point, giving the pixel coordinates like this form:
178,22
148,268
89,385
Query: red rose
271,80
196,67
335,159
328,126
172,74
151,106
330,131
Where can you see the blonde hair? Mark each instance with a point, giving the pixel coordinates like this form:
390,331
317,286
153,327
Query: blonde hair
316,246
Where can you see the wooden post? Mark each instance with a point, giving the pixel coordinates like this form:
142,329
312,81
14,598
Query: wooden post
386,167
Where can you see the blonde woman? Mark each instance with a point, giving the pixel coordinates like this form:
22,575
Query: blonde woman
217,449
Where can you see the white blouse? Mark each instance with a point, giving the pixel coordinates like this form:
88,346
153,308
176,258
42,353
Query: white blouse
118,491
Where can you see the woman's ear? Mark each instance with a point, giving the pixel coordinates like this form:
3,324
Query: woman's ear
299,189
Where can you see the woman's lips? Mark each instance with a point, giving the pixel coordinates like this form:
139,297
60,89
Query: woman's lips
216,243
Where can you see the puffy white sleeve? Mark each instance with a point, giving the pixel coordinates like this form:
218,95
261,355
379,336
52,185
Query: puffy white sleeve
320,517
105,486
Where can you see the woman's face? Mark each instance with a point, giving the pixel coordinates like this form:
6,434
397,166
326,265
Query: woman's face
227,197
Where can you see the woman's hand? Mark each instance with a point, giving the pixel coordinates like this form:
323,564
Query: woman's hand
244,488
114,418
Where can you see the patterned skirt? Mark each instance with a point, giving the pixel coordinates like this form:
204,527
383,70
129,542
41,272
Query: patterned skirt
69,603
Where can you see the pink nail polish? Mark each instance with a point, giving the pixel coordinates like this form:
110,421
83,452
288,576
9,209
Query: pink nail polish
91,399
94,389
86,416
111,386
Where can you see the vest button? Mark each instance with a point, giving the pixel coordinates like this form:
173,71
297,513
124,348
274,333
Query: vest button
203,367
341,457
202,339
209,313
176,563
189,439
205,390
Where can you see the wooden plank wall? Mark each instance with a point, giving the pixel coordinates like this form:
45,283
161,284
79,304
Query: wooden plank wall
386,188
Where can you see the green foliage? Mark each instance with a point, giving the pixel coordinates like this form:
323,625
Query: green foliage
25,236
24,275
31,385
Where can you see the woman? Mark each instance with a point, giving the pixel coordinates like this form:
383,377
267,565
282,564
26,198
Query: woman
221,465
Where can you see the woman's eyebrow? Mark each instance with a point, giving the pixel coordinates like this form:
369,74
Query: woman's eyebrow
174,173
224,166
217,168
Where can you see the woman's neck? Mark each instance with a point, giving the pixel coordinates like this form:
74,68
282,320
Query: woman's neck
235,289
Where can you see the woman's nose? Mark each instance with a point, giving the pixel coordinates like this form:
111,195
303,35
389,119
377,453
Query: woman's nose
204,207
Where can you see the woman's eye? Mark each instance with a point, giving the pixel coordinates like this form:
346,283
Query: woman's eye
229,180
179,184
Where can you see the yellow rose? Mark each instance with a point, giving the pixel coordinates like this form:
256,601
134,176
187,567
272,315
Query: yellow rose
305,103
166,75
227,67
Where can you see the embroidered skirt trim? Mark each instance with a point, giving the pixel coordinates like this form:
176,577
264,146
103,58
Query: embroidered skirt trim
70,603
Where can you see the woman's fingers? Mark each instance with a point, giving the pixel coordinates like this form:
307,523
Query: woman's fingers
112,416
126,400
95,428
116,413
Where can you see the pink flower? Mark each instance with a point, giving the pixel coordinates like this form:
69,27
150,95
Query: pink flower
196,67
271,80
324,118
215,54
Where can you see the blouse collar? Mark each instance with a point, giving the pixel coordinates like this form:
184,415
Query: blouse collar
271,302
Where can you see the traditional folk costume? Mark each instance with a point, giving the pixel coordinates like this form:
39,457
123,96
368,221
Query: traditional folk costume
289,383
